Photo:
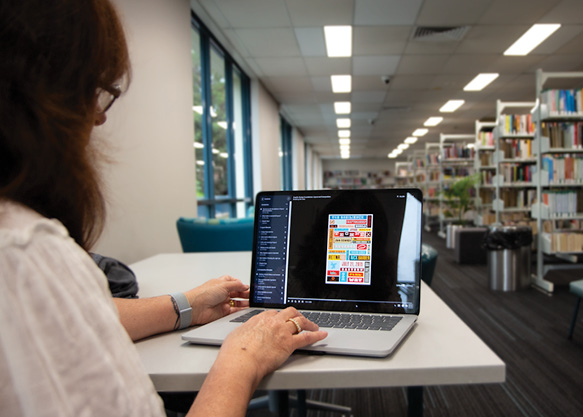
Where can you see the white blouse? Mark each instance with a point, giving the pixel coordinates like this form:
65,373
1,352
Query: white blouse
63,351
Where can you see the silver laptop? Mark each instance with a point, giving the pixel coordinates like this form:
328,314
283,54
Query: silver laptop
350,260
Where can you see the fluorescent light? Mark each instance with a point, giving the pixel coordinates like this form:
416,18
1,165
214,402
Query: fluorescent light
451,106
338,41
420,132
392,155
224,155
216,151
480,81
344,133
198,145
197,109
411,140
343,123
344,141
345,155
223,125
403,146
397,151
532,38
344,148
341,83
342,107
433,121
199,162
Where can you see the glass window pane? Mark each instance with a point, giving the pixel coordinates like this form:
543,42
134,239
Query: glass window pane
219,125
239,153
197,113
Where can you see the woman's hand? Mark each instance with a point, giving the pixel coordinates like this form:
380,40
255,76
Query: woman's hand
268,339
214,299
250,352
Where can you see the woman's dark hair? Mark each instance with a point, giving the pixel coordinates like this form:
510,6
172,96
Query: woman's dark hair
54,58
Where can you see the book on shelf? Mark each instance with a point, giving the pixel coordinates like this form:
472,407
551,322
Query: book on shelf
563,102
563,134
564,168
517,124
486,138
513,172
513,148
564,242
458,151
518,199
563,203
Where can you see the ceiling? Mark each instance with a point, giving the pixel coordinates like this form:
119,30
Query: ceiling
281,43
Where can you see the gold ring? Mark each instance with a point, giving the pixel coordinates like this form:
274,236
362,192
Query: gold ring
298,327
232,303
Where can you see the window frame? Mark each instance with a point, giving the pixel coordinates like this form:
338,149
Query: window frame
208,205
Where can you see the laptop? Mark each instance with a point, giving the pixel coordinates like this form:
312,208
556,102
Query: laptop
350,260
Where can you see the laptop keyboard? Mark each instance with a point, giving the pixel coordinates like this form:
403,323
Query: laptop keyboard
340,320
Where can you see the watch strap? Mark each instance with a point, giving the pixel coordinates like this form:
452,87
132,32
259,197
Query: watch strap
184,308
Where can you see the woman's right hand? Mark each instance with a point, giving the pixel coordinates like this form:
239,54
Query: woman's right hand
269,338
248,354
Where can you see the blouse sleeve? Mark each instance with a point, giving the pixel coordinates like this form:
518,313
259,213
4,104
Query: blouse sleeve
63,351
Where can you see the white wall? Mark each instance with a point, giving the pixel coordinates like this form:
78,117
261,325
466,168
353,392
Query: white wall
266,139
151,181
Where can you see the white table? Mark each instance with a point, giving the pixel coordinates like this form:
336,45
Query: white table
441,349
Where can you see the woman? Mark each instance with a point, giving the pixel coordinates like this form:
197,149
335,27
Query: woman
63,350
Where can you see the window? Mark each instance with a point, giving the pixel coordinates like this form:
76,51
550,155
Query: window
286,155
222,143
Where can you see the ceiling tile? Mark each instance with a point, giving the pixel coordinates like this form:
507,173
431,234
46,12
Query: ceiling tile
377,40
490,39
375,65
311,41
274,67
566,12
558,39
328,66
321,12
451,12
421,64
523,12
386,12
263,43
245,14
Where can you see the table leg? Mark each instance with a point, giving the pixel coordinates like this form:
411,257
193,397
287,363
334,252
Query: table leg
279,402
415,400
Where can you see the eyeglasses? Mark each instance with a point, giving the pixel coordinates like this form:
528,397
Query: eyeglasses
107,96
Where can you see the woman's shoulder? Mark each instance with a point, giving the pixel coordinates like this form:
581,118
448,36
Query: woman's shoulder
20,225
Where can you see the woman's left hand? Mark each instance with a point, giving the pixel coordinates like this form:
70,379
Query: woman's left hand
217,298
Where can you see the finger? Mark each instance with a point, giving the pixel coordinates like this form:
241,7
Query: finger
235,303
234,285
307,338
239,294
289,313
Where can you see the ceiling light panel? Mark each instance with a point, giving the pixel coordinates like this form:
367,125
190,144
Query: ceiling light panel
433,121
344,133
532,38
341,83
343,123
338,41
342,107
481,81
420,132
451,106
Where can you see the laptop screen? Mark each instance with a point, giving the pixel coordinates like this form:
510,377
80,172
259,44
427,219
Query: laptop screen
338,250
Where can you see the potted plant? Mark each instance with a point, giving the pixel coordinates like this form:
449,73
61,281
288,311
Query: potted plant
458,199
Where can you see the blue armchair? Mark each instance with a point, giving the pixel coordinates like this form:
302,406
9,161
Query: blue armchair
215,235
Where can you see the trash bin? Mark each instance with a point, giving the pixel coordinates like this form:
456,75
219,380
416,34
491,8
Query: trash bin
508,252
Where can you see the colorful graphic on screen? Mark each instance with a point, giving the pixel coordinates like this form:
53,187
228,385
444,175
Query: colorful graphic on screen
349,249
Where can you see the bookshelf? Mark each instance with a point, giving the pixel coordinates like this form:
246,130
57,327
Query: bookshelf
431,186
403,174
485,166
515,162
558,208
355,179
456,161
